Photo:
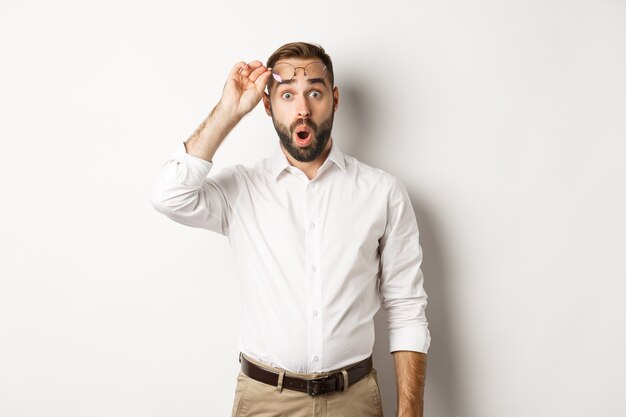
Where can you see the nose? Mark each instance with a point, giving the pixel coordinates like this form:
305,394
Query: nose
304,110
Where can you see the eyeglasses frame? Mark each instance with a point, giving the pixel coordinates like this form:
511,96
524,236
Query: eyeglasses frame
295,71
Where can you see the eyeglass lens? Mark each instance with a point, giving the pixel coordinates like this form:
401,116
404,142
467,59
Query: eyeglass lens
285,72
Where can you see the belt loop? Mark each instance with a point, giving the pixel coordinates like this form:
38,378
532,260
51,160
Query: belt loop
345,380
239,357
281,375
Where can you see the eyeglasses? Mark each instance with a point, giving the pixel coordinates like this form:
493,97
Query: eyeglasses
284,72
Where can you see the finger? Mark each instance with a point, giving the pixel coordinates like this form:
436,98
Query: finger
255,64
255,74
245,71
262,80
238,67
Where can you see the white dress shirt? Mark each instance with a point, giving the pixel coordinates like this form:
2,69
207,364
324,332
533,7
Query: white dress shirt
315,257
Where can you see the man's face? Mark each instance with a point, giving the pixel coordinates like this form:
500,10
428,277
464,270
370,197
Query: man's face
302,111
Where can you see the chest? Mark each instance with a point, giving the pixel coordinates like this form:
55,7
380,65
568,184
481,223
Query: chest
345,213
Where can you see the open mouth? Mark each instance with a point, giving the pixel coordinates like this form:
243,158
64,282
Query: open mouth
304,135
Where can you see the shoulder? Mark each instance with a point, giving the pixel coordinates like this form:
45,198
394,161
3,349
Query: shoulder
246,173
377,178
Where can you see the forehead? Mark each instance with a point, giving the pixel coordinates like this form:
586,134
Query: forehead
297,62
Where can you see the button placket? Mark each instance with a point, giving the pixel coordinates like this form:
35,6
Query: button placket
314,281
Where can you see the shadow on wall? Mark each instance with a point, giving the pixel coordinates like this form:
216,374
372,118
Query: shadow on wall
443,398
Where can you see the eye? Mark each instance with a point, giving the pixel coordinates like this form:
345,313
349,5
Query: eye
287,96
315,94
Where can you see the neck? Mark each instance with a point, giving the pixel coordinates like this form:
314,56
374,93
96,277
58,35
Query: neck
309,168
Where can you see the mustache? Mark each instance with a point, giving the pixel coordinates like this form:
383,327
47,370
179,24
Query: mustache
305,122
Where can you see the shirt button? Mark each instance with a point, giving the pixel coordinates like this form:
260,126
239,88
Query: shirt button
315,358
312,225
313,268
315,313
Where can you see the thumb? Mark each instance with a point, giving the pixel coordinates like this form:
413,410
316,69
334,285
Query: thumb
263,79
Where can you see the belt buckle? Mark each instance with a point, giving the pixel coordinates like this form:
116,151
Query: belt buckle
310,390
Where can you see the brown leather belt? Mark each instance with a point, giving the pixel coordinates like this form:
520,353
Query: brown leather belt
331,383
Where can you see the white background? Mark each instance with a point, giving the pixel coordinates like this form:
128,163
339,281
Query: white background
505,120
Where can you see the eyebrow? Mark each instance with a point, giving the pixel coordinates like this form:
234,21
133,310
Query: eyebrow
313,81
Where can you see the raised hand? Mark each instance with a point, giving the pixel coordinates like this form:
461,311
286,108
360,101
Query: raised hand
242,92
244,87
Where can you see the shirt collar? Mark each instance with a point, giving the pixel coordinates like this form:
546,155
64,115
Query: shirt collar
280,161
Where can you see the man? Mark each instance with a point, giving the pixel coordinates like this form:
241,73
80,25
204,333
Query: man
318,237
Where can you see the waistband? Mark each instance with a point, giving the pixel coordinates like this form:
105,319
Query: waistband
311,384
295,374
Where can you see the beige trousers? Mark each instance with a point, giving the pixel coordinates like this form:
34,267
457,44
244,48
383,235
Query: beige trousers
257,399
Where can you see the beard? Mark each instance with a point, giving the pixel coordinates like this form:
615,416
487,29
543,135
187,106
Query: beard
321,134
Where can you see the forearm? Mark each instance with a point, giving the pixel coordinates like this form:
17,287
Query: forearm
207,138
410,379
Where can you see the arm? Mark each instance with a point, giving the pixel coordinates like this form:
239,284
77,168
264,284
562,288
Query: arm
410,379
404,298
182,190
242,92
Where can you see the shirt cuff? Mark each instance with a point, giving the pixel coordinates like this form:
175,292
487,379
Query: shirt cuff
191,170
414,339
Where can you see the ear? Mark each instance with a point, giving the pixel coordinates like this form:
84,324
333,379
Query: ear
267,104
335,98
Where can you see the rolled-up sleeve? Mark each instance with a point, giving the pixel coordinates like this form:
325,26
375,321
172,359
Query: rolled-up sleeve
401,279
183,192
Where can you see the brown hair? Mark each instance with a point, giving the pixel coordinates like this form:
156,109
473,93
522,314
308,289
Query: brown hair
301,50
